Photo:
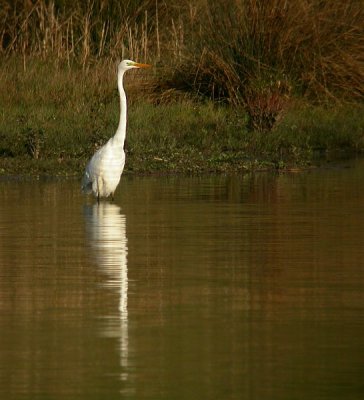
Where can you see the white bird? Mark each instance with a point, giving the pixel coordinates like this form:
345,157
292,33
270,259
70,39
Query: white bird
102,174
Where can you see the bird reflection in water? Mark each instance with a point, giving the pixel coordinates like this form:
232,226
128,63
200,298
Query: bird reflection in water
106,229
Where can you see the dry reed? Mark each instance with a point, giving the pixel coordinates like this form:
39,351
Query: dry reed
251,53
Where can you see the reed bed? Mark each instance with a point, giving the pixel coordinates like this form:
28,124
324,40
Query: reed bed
218,47
257,56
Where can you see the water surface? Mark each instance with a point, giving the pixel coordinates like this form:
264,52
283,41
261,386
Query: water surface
228,287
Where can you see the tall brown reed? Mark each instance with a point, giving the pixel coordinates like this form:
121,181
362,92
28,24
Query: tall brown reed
80,33
251,53
257,54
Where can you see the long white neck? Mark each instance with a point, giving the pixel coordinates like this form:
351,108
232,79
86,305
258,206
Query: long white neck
121,131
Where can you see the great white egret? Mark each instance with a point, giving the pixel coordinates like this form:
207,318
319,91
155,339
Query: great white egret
102,174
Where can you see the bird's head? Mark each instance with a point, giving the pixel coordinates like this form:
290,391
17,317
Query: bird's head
129,64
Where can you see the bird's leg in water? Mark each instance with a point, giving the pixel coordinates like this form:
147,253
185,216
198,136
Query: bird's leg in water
98,189
112,197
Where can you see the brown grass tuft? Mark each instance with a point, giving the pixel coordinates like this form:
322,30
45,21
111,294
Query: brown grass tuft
239,51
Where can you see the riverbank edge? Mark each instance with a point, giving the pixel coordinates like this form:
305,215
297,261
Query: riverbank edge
155,166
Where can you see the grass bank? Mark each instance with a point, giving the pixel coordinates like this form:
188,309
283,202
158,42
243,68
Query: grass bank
52,119
235,85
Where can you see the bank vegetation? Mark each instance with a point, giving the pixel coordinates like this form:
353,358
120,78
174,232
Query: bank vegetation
236,85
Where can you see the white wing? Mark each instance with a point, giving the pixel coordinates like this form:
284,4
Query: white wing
102,174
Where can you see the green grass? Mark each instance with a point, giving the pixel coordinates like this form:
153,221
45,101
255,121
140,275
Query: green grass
53,119
236,85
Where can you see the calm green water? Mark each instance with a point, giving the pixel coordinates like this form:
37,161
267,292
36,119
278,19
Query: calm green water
239,287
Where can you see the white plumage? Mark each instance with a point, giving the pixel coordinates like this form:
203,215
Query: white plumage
102,174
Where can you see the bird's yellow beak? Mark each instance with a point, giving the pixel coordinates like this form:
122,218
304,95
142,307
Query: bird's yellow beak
140,65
